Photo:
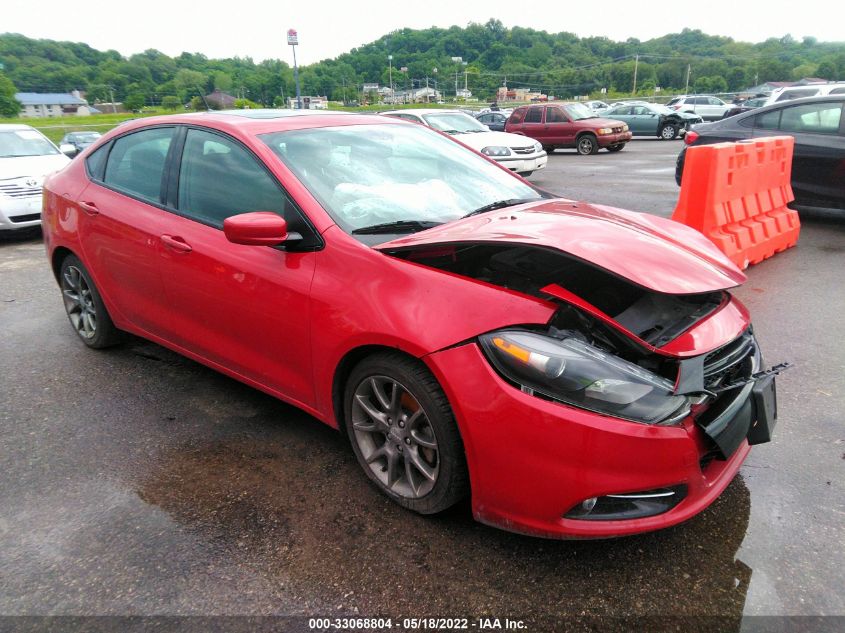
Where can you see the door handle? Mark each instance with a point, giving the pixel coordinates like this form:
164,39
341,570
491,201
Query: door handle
89,207
176,243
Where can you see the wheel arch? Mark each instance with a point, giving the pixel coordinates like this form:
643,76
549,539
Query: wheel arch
56,259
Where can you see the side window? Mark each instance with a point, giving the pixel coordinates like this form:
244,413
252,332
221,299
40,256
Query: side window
817,118
535,115
219,178
640,111
517,116
715,101
701,101
768,120
837,91
486,118
136,163
96,162
554,115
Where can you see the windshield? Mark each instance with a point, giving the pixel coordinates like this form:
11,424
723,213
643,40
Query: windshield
15,143
578,111
662,109
453,122
366,175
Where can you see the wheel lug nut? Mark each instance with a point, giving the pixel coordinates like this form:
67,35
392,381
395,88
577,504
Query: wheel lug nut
408,441
401,424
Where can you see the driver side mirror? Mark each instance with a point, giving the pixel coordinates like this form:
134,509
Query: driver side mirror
258,228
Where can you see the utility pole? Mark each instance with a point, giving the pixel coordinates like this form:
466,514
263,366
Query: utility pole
390,77
113,104
465,84
636,66
458,61
293,40
689,68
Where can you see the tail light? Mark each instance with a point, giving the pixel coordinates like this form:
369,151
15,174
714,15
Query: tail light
691,137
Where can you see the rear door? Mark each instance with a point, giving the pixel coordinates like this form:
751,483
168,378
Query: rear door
642,121
533,126
818,163
558,129
244,308
120,222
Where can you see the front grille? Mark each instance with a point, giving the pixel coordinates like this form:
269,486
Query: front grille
20,190
523,150
618,130
29,217
725,364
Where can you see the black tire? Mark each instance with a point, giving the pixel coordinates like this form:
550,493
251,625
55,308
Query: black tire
615,148
435,422
587,144
84,307
668,132
548,148
525,174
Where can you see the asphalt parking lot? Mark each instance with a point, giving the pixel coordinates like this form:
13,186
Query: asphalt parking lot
138,482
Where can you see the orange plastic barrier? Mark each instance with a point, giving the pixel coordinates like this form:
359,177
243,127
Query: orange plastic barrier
736,195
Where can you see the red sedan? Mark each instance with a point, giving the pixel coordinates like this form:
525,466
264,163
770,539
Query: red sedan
580,371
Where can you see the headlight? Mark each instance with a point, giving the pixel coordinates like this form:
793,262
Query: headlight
579,374
496,150
604,130
538,147
625,128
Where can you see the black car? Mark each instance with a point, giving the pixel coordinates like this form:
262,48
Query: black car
493,119
818,162
80,140
745,106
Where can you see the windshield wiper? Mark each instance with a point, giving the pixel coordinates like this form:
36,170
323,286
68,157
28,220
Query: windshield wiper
501,204
399,226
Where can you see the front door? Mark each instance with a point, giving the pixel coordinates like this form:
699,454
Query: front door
245,308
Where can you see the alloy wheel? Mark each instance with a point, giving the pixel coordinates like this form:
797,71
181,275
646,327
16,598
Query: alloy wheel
79,302
395,437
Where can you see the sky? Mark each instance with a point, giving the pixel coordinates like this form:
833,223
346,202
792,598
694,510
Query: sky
328,28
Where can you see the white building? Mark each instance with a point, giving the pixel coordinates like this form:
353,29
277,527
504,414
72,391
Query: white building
41,105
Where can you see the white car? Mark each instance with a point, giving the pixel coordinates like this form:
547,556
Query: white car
708,108
514,151
26,157
810,90
596,106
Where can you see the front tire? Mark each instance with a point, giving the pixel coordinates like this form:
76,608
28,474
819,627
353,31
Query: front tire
403,433
587,144
84,307
615,148
668,132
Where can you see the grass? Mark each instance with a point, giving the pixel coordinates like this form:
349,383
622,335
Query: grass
55,128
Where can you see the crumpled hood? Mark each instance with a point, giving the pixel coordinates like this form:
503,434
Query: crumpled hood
650,251
480,140
34,166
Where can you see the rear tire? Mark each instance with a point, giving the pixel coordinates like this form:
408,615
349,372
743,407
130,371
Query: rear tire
403,433
525,174
615,148
548,148
587,144
84,307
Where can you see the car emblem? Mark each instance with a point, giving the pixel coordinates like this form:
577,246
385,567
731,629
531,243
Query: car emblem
30,182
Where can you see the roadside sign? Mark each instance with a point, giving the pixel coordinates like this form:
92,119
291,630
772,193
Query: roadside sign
293,39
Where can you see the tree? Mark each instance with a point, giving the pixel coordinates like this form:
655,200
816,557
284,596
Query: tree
134,101
9,106
827,70
171,103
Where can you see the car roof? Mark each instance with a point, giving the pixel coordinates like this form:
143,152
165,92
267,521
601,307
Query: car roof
255,122
15,126
783,104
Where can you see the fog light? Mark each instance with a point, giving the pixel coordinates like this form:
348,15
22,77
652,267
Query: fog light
628,505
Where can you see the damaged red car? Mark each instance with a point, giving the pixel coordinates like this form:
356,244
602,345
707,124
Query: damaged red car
577,370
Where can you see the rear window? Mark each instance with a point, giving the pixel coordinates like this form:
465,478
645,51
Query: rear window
838,91
816,118
768,120
674,101
535,115
797,94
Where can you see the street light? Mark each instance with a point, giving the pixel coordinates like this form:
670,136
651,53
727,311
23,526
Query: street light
434,72
459,61
293,40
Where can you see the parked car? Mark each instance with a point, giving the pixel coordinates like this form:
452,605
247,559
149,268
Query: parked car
649,119
577,371
79,140
568,125
494,120
707,107
597,106
800,92
512,151
745,106
818,162
26,157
